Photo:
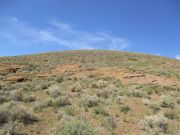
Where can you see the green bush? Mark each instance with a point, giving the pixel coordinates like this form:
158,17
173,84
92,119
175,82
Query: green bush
75,127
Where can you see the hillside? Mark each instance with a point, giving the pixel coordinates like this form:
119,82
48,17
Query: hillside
89,92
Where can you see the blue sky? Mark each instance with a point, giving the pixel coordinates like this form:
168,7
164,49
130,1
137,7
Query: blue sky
34,26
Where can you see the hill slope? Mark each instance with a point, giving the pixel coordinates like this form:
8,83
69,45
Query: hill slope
109,92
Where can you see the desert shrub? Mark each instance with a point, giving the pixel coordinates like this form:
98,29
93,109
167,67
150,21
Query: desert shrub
59,79
146,101
54,91
91,101
61,114
178,100
155,107
112,122
29,99
4,117
169,88
29,87
61,102
125,109
137,93
119,99
167,101
41,105
170,114
152,88
3,99
105,93
9,111
16,95
69,110
12,128
101,111
75,127
154,125
118,83
42,85
76,87
99,84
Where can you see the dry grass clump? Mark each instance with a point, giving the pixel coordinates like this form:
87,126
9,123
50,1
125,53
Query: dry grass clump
12,128
29,87
125,109
16,95
171,114
41,85
91,101
70,110
38,107
155,107
15,112
61,101
155,125
3,99
99,84
112,122
59,79
100,110
167,101
55,91
77,87
119,99
75,127
105,93
178,100
146,101
30,98
137,93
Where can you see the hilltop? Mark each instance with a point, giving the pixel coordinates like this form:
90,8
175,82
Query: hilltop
103,92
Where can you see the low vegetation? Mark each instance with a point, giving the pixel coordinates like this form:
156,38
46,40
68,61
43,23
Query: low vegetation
89,93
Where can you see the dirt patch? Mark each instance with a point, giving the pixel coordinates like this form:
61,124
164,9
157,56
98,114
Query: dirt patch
128,76
5,68
66,69
125,75
16,79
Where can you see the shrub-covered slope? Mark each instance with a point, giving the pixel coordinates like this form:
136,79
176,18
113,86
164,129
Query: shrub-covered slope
89,93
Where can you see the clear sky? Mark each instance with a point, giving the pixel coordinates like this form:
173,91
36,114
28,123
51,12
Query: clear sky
33,26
